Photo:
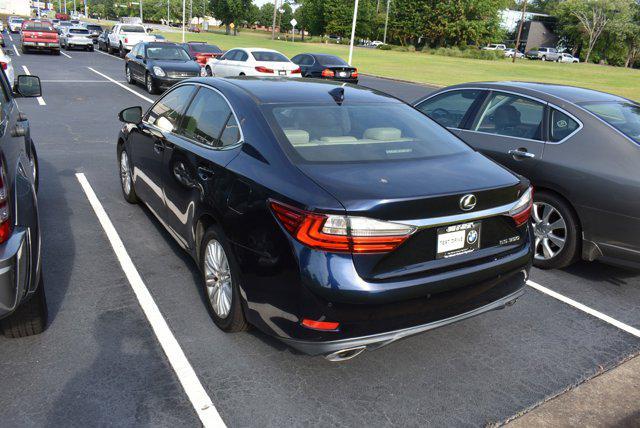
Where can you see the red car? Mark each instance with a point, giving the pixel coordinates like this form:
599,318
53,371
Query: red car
201,51
39,36
62,16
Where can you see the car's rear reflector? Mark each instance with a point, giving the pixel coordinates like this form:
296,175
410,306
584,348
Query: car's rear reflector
320,325
338,233
296,71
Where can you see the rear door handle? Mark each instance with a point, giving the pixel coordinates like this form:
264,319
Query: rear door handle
521,153
205,173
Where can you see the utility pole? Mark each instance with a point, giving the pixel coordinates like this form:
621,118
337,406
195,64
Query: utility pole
386,23
275,15
74,7
353,31
168,17
517,49
190,12
86,12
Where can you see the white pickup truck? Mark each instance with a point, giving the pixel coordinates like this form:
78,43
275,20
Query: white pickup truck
123,37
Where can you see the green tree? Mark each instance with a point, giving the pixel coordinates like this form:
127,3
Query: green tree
230,11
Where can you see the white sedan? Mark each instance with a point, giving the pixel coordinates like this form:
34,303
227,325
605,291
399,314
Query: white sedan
565,57
252,62
7,67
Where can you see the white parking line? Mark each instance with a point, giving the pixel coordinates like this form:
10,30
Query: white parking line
606,318
68,56
199,398
108,54
121,85
40,99
10,38
16,49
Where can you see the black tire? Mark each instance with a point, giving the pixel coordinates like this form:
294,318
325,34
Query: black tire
24,49
573,241
129,75
122,52
30,317
56,52
109,49
235,320
150,85
131,196
208,70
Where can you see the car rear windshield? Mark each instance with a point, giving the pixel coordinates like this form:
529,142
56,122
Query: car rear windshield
133,29
94,27
17,20
360,133
204,48
328,60
167,53
624,116
78,31
38,26
269,56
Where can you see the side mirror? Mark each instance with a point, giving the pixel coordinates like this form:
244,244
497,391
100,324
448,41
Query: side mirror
28,86
131,115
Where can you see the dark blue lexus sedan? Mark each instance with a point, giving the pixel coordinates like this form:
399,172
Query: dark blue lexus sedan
333,217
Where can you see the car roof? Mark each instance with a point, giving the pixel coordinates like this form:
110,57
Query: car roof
572,94
276,90
160,44
257,50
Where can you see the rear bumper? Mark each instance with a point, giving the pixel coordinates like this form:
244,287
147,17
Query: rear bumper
14,264
498,296
41,45
86,42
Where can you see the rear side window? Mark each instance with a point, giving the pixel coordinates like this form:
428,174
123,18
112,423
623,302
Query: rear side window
303,60
562,125
209,120
132,29
511,116
327,60
624,116
360,133
166,113
450,108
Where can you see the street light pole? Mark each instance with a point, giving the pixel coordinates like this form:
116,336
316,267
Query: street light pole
353,31
140,3
386,23
517,49
275,15
184,11
168,17
190,12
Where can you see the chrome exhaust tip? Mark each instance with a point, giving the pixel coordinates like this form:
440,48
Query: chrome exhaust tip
345,354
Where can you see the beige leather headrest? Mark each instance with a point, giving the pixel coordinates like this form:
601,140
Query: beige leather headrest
297,137
340,139
383,134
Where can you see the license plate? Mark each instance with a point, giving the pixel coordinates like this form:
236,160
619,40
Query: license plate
342,74
458,239
41,44
282,72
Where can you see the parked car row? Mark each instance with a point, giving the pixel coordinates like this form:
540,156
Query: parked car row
543,53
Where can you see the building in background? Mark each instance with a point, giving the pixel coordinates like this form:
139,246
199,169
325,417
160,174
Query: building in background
15,7
509,19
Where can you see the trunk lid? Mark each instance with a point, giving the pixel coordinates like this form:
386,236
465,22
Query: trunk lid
424,189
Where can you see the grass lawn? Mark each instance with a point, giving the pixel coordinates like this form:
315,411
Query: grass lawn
441,70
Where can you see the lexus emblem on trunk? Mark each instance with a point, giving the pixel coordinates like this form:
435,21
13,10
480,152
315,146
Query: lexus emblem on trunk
468,202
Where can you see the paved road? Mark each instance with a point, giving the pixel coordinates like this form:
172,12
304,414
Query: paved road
99,362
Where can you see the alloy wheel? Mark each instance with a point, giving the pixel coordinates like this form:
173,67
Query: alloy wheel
128,73
217,275
149,84
550,231
125,173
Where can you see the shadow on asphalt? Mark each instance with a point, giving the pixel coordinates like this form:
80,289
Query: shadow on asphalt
58,245
596,271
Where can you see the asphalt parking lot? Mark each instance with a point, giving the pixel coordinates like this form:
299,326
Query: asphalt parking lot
100,363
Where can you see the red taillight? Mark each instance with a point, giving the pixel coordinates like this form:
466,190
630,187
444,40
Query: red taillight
201,59
5,217
296,71
126,40
262,69
522,209
335,233
320,325
4,65
328,73
354,73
